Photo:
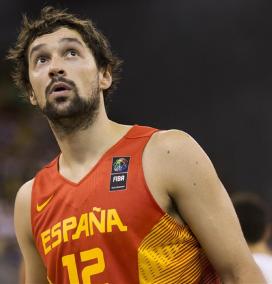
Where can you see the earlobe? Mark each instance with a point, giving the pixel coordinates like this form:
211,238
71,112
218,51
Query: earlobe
32,98
105,79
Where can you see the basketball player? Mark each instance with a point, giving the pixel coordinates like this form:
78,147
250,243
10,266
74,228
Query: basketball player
121,204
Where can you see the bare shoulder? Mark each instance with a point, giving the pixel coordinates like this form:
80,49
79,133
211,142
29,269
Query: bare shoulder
22,216
178,151
26,188
169,137
23,196
174,165
35,271
172,141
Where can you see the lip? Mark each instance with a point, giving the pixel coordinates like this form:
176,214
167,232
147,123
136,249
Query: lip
59,85
59,94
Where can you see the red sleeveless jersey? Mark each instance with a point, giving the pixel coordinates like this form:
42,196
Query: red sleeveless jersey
107,228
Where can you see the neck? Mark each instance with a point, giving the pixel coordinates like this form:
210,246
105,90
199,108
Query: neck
85,144
82,149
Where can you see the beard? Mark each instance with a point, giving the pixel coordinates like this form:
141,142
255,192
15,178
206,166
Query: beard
79,114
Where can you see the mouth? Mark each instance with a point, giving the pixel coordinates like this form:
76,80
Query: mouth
59,89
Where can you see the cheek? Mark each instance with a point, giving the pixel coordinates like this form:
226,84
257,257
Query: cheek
35,81
38,87
86,77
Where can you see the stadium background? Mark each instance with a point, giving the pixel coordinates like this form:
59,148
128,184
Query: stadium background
201,66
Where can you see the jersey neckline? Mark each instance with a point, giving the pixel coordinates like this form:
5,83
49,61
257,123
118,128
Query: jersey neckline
102,157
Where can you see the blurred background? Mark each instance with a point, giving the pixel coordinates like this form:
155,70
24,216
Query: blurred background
201,66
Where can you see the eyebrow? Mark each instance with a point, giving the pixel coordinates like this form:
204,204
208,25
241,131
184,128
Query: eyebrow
35,48
71,39
65,39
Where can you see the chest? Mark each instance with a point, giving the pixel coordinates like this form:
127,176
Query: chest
112,199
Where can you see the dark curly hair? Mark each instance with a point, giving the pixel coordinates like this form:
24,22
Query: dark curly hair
50,20
254,215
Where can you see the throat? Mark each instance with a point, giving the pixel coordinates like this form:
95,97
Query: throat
65,126
77,173
83,151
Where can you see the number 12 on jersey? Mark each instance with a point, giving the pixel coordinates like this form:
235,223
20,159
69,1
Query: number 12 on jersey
69,261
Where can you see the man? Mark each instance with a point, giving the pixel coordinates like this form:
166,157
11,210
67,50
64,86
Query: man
120,204
255,219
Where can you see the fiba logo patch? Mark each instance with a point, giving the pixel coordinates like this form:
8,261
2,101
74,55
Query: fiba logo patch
119,173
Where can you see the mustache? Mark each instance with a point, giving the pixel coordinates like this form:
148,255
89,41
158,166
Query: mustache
71,84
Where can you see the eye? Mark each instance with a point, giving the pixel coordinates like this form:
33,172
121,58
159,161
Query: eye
41,60
71,53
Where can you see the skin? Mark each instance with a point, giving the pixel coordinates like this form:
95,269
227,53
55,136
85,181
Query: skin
191,182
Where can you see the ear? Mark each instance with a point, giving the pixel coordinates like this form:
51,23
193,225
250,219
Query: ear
105,78
32,98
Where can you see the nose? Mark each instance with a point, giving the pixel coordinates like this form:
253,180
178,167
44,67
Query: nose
56,72
56,69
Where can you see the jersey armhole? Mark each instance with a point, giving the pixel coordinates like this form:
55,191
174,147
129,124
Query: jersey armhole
151,197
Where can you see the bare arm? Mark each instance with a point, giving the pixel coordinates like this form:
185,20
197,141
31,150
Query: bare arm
34,268
191,181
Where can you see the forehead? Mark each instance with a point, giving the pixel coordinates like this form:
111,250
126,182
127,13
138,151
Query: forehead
55,37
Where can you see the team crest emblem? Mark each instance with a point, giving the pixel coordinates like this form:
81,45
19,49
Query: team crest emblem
120,165
119,173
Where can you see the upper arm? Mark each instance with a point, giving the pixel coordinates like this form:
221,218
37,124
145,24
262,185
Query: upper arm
202,201
34,268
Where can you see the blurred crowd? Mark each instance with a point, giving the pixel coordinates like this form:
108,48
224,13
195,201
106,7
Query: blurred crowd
26,145
255,219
